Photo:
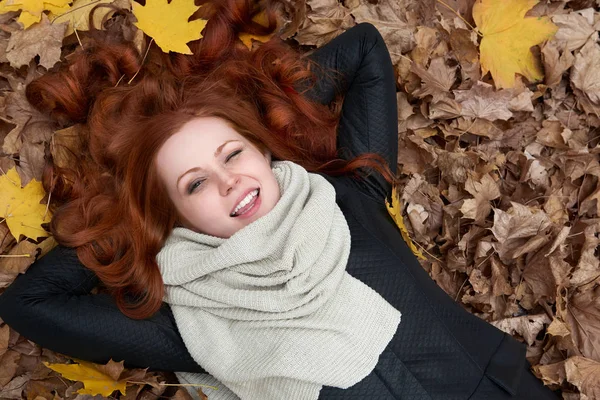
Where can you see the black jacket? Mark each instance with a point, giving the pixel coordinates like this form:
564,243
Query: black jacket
440,351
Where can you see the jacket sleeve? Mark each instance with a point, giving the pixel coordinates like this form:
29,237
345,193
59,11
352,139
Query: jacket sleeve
51,305
364,73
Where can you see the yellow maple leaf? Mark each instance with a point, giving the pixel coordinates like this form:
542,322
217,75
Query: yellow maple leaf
21,206
167,23
32,9
95,382
246,38
395,211
508,37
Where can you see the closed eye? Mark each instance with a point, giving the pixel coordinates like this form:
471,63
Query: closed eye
194,185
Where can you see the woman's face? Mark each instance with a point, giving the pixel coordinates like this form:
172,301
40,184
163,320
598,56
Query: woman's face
208,168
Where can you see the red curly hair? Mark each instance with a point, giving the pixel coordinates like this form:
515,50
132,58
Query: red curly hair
111,204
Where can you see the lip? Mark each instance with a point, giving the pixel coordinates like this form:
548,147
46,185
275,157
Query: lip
253,210
241,198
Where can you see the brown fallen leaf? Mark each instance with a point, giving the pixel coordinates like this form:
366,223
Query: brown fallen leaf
9,363
500,283
583,319
585,374
482,101
390,19
26,253
555,64
324,21
585,74
554,374
66,145
14,388
436,80
31,125
574,30
483,190
527,326
43,39
519,222
587,270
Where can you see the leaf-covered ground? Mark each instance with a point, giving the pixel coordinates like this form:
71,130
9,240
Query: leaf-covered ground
500,171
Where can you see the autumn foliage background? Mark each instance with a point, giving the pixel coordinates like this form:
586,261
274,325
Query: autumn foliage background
500,196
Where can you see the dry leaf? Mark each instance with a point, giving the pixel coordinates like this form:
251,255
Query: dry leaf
436,80
551,373
585,374
43,39
390,19
27,253
483,192
481,101
66,145
583,319
325,20
31,125
519,222
574,30
585,74
555,64
527,326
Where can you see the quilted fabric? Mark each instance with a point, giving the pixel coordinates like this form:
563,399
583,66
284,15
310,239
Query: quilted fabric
440,351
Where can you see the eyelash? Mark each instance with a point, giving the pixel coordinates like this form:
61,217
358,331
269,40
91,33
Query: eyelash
192,188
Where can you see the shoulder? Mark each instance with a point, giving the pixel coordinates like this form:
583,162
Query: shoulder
346,185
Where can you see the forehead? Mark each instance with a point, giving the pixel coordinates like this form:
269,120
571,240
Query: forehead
194,144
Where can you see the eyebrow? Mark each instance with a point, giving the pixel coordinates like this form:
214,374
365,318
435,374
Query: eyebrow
217,152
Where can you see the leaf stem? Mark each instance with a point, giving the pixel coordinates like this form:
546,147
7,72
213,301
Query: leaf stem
176,384
142,63
74,9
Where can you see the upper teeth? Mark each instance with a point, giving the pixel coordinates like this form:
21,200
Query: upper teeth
246,200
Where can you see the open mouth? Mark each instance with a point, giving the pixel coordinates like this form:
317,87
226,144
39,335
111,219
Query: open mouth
249,208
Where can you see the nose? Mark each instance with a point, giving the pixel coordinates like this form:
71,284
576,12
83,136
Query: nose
227,181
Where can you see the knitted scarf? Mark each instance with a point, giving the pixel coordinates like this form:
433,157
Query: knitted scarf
271,311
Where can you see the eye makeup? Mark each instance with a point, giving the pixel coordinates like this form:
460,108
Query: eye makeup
195,184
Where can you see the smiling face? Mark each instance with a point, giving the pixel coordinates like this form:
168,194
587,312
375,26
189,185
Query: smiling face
208,167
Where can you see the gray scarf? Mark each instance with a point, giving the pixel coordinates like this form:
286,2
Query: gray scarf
271,311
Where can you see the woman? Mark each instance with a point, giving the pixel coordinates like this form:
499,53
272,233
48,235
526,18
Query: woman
139,222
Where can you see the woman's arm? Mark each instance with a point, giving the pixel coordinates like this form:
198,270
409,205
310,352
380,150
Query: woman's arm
51,305
369,121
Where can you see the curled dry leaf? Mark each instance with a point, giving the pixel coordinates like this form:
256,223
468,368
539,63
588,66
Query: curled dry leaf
556,62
